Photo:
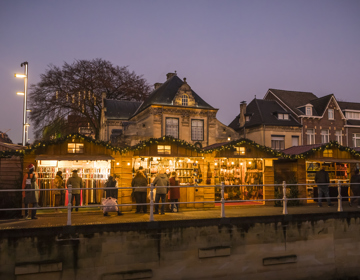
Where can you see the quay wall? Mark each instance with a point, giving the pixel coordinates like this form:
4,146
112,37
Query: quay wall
324,246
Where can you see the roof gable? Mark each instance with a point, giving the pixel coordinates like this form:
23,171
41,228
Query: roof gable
166,93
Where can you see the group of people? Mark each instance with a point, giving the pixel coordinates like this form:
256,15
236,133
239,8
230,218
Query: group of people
322,180
139,184
161,183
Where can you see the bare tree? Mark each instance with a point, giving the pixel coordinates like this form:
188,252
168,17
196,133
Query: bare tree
76,89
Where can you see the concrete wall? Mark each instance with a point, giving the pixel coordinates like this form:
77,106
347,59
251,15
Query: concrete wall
280,247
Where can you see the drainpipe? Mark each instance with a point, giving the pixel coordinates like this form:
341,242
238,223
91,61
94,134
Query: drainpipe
302,132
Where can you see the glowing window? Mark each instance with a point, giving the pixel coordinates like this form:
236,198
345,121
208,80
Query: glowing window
184,100
240,151
75,148
328,153
164,149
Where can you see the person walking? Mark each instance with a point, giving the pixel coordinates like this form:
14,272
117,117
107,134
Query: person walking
30,197
75,182
112,192
322,180
174,193
355,188
161,182
60,192
140,193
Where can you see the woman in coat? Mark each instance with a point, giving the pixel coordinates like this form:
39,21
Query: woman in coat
140,193
30,197
59,194
174,194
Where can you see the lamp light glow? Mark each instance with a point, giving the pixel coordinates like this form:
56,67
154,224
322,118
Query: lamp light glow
20,75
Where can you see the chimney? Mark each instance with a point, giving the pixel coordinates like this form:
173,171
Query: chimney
157,85
242,113
170,75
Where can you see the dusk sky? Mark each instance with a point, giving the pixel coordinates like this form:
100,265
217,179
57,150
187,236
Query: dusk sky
229,51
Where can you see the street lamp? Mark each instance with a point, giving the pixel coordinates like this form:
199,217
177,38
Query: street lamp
25,76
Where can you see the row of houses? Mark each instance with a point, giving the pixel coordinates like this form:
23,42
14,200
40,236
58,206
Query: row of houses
280,120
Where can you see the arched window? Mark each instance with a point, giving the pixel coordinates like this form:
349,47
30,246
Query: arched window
184,100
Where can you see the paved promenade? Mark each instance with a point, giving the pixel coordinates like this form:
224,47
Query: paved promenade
91,216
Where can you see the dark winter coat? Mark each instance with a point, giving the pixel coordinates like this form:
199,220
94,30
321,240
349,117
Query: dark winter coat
355,179
76,182
174,192
139,181
322,177
112,192
161,182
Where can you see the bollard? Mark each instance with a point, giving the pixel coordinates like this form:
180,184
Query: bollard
340,208
69,205
151,202
285,211
222,200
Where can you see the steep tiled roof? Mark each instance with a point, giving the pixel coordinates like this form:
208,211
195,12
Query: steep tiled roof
165,94
120,109
349,105
263,112
320,104
294,99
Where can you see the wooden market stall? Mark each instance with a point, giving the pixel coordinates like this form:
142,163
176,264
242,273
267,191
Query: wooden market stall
304,161
243,162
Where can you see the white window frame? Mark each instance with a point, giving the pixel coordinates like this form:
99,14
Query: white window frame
277,142
356,139
184,100
286,116
247,118
280,116
197,131
310,136
325,136
353,115
308,110
331,114
170,127
338,136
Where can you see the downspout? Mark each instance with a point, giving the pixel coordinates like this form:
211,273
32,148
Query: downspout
302,132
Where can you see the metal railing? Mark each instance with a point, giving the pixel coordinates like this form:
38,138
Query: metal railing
223,202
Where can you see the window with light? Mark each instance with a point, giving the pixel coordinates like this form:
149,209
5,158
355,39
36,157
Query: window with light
172,127
197,130
164,149
184,100
328,153
75,148
239,151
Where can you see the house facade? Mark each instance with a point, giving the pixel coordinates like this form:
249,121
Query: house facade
172,109
267,123
322,119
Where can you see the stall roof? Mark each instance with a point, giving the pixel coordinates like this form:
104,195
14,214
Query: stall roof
73,157
338,160
296,150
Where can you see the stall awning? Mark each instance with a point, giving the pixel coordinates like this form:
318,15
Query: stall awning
73,157
337,160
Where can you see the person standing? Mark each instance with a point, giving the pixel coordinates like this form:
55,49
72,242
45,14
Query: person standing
60,192
161,182
30,197
112,192
322,180
174,193
76,182
140,193
355,187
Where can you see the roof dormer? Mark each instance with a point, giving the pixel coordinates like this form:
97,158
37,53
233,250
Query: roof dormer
184,96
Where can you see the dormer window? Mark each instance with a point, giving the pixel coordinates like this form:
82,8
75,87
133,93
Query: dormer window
308,110
184,100
247,118
282,116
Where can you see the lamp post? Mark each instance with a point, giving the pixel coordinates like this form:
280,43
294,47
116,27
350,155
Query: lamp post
25,76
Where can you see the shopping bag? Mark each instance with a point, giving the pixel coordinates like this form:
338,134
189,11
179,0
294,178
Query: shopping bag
109,205
154,194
